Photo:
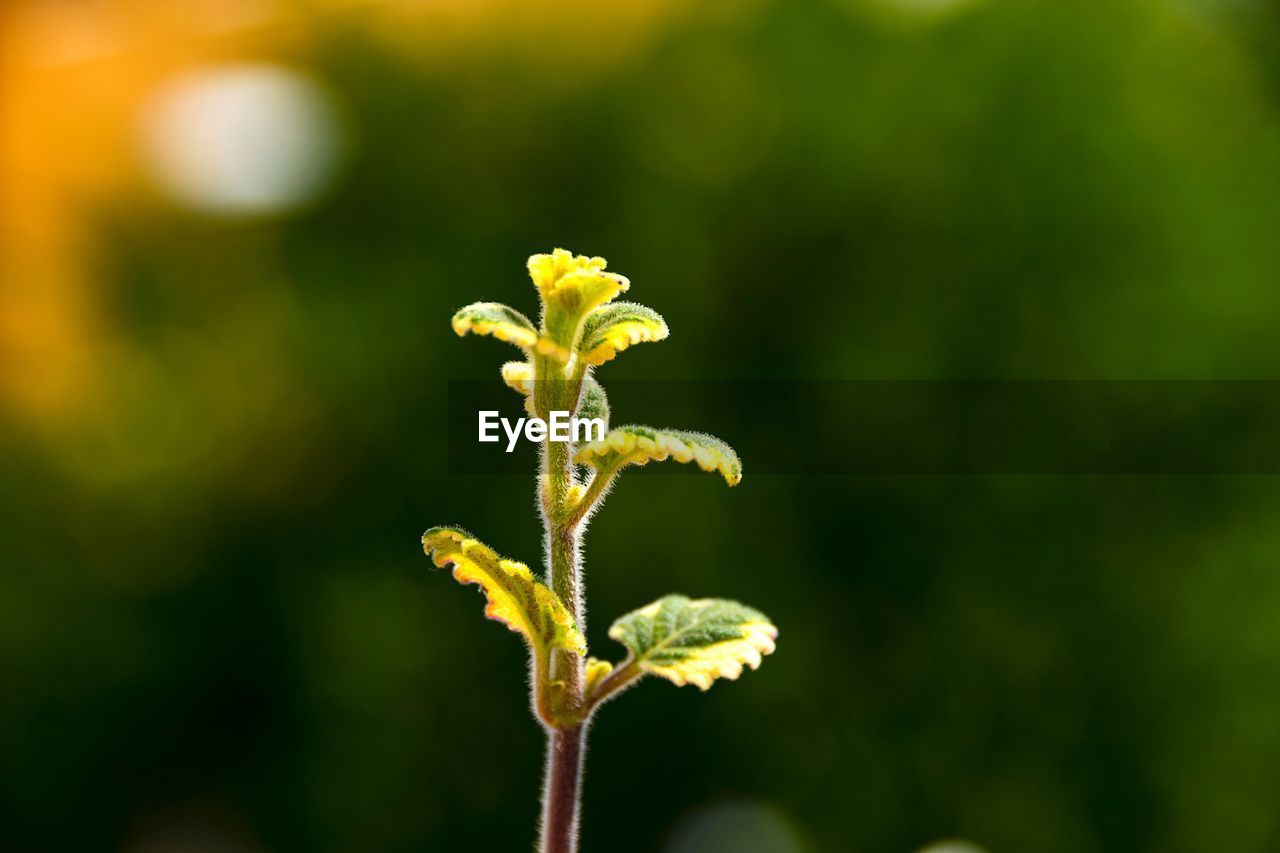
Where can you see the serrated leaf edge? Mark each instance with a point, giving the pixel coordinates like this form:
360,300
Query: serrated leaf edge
705,666
637,445
467,320
638,324
481,565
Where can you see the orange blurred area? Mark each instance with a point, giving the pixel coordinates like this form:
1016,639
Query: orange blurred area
75,81
74,78
203,126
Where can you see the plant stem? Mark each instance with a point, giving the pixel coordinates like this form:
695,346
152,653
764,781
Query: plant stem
566,733
618,680
593,494
562,551
563,783
563,789
543,701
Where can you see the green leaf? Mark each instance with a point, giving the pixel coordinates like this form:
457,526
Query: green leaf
595,404
695,642
516,599
501,321
610,329
637,445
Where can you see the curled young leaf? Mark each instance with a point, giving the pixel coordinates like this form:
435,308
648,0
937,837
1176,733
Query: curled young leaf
581,291
637,445
695,642
519,376
516,599
610,329
493,318
561,269
593,673
594,404
570,286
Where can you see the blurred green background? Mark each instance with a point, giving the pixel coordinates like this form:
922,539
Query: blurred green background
227,348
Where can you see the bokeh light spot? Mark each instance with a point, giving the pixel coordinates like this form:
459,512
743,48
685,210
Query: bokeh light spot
241,140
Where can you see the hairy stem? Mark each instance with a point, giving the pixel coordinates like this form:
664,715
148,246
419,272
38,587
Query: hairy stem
563,790
565,734
543,702
562,552
595,491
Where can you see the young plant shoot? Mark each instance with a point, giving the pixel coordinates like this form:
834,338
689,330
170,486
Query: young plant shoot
683,640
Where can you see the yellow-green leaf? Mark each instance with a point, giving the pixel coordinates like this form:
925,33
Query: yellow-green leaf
561,269
519,376
695,642
594,672
578,293
501,321
516,599
571,287
637,445
610,329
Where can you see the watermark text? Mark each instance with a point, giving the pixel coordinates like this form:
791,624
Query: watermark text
562,427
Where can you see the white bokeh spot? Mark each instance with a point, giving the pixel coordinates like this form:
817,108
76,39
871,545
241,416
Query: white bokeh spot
240,140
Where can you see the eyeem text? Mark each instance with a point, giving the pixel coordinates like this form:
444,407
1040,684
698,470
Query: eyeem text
562,428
